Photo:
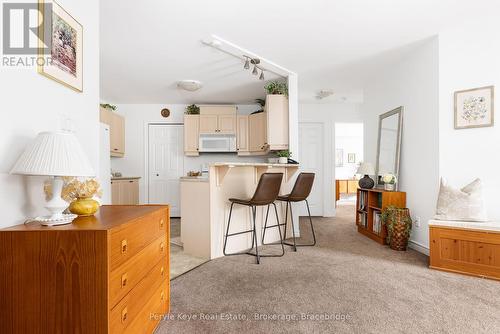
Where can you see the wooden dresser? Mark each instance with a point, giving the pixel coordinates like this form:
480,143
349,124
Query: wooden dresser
107,273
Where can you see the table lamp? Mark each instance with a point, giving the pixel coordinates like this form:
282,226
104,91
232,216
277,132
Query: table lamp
366,169
55,154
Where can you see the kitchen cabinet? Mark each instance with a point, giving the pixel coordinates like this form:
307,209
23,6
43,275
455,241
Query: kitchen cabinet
257,133
116,124
217,119
276,109
191,134
242,135
125,191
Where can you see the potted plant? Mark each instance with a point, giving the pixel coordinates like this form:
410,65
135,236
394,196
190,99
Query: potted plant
398,222
192,109
390,181
108,106
283,156
276,88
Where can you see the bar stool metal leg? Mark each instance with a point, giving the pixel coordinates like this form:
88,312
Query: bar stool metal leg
227,230
278,225
295,245
311,223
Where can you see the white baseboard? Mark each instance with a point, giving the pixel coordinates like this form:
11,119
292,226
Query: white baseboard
418,247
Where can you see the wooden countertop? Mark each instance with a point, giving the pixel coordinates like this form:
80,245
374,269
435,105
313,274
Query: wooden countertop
108,217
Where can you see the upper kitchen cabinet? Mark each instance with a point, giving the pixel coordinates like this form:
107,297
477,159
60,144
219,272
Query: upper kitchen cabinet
217,119
276,109
242,135
116,124
191,134
257,143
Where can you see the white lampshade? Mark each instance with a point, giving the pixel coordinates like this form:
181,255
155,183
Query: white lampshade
366,168
54,154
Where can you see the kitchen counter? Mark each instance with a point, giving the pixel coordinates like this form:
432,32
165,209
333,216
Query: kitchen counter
205,207
125,178
194,179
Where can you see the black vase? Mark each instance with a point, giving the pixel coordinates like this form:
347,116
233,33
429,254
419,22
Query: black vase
366,182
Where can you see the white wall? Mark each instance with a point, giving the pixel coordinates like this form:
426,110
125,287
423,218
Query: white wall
469,58
31,103
411,82
328,115
137,116
349,139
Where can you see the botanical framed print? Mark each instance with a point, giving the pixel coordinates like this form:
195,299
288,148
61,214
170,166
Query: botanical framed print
339,157
351,158
474,108
61,40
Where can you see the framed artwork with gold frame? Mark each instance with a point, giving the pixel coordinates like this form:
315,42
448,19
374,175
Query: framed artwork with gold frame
61,42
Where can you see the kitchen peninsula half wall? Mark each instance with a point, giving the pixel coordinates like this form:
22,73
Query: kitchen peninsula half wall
205,207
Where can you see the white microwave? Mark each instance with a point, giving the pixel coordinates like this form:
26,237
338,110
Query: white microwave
217,143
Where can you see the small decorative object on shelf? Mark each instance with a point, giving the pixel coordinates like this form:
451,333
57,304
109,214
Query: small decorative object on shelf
108,106
398,222
192,109
366,169
79,194
390,181
283,156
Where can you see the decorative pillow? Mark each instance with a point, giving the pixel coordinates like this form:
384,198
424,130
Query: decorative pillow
464,204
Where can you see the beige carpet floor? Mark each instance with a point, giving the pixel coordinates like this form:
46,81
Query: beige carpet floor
346,284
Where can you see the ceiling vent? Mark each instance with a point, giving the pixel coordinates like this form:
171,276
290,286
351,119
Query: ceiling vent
189,85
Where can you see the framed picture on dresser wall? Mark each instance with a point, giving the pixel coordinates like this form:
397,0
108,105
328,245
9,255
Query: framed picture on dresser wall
474,108
61,41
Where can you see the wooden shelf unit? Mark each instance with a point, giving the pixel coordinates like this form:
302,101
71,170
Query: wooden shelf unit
369,202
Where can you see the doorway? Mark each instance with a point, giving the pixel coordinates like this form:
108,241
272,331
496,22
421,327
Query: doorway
165,165
311,160
348,155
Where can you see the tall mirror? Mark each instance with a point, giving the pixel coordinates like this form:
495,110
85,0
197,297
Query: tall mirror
389,144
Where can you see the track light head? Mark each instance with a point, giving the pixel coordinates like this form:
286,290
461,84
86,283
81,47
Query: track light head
247,64
255,72
261,75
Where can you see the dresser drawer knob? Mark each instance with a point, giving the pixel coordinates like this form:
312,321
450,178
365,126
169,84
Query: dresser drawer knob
162,272
124,315
161,223
162,247
124,246
124,280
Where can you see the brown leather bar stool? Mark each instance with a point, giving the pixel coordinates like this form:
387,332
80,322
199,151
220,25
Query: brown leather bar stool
300,192
266,193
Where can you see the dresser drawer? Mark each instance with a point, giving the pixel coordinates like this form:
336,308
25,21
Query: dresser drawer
124,278
152,312
133,308
131,238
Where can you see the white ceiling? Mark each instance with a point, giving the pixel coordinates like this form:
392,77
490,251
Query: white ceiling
149,45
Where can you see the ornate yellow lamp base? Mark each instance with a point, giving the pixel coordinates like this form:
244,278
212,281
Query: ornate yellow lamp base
84,206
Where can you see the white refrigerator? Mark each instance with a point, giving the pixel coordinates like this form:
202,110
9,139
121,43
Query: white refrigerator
104,175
